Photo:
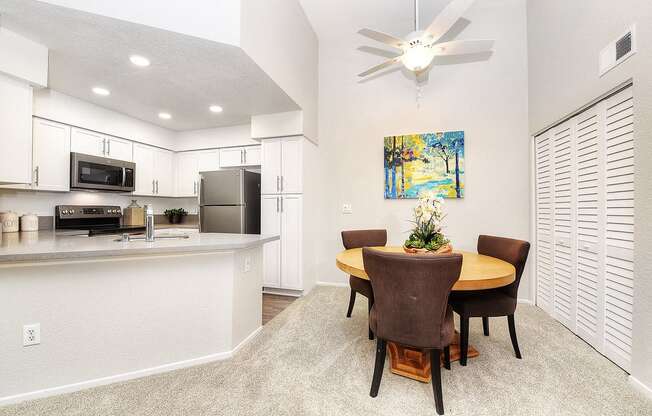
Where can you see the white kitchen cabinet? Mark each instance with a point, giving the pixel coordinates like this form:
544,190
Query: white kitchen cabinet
282,215
98,144
240,156
164,172
51,156
15,131
252,155
188,174
87,142
119,149
281,166
154,171
270,224
209,160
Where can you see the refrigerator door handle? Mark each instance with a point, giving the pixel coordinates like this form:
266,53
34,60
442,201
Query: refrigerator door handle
277,206
278,183
281,198
281,183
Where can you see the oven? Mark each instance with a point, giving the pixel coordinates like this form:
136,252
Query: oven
101,174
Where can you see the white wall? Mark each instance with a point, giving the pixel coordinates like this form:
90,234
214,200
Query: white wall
217,137
563,75
56,106
294,65
218,20
488,100
23,59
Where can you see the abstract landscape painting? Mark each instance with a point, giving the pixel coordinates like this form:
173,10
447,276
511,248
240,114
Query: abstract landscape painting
424,162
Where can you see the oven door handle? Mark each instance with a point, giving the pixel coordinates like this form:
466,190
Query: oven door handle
124,177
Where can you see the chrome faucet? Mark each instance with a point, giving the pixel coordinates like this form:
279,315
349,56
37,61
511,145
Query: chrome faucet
149,222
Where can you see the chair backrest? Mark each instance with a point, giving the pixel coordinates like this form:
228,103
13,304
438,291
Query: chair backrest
364,238
509,250
411,294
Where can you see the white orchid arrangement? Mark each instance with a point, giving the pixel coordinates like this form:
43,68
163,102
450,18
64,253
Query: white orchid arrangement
429,215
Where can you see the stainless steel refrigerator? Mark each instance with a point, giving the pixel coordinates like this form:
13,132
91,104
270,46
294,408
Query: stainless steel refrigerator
229,202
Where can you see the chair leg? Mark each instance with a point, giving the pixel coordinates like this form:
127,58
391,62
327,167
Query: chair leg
370,304
464,339
447,357
485,325
436,380
381,352
351,303
512,335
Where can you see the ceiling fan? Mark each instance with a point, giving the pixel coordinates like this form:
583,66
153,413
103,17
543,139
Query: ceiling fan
420,47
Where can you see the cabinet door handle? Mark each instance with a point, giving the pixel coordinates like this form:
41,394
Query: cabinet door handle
153,186
104,147
157,186
281,198
241,157
108,147
282,183
245,156
36,173
194,189
277,205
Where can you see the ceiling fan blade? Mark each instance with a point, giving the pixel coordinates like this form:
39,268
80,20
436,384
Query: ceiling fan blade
447,18
462,47
382,37
379,67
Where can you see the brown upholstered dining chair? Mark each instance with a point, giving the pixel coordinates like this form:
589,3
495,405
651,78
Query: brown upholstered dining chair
359,239
493,302
411,307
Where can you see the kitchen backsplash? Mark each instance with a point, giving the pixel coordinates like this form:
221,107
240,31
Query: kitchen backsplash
43,203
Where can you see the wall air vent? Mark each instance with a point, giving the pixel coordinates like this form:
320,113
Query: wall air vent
618,51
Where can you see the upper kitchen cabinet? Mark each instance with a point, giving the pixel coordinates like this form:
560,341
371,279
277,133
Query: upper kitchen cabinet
240,156
188,174
154,171
281,166
15,131
51,147
98,144
189,164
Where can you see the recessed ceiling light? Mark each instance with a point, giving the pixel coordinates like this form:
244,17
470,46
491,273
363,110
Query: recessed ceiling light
101,91
139,60
215,108
164,116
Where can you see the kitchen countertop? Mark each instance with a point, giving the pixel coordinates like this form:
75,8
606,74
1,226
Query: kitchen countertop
46,245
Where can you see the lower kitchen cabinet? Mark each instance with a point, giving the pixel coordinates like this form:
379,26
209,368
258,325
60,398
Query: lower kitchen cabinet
282,215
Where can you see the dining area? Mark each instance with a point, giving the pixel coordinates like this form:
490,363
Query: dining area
413,296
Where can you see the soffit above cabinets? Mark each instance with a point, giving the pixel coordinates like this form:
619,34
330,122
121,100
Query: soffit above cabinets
186,75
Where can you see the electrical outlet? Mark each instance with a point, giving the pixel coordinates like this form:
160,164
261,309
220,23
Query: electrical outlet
31,335
347,209
247,264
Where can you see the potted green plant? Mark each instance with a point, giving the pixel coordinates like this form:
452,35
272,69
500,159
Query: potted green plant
427,235
175,215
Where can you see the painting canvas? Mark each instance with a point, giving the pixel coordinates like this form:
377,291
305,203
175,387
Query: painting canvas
424,162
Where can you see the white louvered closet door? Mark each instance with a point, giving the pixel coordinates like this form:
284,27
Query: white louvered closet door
544,171
619,233
584,176
589,200
563,224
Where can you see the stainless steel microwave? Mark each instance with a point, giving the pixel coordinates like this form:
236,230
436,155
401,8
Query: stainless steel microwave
100,173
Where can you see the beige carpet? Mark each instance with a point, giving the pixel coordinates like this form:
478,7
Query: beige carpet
311,360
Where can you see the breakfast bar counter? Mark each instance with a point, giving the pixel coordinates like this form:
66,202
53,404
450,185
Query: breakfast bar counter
110,310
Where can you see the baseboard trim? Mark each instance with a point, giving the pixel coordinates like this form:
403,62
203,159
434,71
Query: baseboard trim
332,284
640,386
69,388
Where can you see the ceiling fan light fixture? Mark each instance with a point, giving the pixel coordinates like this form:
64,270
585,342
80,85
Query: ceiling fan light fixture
418,57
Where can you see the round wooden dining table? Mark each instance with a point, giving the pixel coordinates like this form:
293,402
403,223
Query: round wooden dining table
479,272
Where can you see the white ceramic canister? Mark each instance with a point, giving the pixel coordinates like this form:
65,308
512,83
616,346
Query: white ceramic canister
9,222
29,222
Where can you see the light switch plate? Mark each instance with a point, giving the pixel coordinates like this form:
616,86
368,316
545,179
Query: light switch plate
247,264
347,209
